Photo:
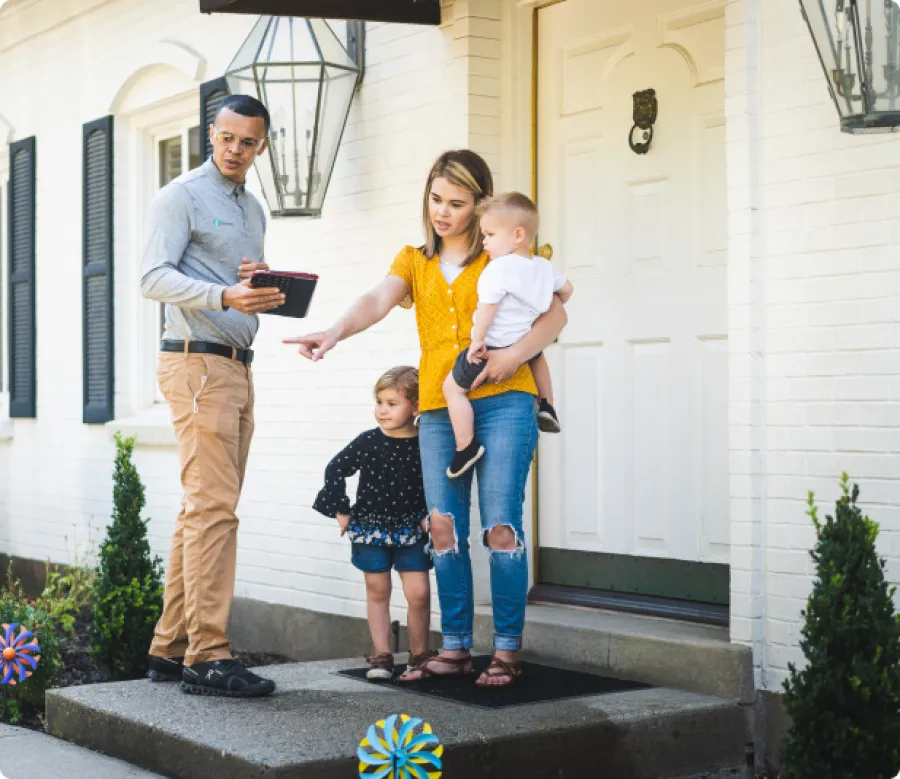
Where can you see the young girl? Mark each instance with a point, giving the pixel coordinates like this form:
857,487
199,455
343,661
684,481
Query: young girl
386,525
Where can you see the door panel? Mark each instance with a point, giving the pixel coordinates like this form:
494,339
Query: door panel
641,371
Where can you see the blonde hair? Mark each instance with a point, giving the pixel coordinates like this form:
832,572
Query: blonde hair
517,206
402,378
466,169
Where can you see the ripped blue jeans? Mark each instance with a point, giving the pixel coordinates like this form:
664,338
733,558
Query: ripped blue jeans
506,425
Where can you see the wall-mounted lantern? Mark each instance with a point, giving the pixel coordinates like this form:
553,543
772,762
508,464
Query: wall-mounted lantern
305,77
858,42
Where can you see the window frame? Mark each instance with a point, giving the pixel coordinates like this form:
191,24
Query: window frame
138,402
4,282
158,135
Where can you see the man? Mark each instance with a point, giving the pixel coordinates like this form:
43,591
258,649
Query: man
202,228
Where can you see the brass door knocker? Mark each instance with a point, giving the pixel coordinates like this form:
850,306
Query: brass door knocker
645,111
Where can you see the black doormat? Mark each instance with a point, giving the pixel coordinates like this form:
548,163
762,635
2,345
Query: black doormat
539,683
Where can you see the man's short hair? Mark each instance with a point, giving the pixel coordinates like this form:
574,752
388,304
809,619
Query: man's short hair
516,206
246,106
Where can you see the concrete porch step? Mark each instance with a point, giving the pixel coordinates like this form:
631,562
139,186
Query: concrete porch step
311,727
670,653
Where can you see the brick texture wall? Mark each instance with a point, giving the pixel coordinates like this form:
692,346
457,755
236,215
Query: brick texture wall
420,86
814,266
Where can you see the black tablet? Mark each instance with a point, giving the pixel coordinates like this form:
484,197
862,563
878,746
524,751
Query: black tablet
297,287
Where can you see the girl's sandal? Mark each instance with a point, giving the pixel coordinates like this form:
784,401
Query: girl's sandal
462,666
499,668
380,666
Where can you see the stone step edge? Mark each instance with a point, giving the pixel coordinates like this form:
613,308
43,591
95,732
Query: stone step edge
689,742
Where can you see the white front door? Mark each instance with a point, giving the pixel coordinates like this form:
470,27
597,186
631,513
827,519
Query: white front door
641,371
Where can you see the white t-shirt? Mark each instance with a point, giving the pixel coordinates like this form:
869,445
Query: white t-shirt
524,289
451,273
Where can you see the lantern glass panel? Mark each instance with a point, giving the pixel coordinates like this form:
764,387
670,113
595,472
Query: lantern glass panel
303,74
882,27
337,93
858,42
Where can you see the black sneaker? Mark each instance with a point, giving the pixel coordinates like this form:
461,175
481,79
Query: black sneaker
548,422
224,677
164,669
465,459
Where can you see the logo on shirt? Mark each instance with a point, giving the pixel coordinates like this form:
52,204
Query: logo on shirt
217,222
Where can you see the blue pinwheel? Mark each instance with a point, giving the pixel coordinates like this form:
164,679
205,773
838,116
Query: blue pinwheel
413,752
17,655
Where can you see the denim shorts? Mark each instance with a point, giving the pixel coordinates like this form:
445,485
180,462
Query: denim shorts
380,559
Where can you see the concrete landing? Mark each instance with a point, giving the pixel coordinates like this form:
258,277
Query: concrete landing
311,727
26,754
666,652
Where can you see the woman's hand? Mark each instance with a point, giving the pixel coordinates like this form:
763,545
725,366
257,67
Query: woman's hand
315,345
344,522
500,364
365,312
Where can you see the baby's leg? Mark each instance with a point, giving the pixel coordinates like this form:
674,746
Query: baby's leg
541,372
461,415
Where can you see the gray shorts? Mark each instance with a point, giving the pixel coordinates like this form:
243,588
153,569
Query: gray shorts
465,372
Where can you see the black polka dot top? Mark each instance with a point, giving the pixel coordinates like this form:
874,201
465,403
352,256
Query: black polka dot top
390,498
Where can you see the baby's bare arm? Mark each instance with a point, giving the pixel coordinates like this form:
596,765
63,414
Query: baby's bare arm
484,315
565,291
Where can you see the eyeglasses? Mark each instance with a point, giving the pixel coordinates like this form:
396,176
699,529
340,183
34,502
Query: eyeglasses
246,144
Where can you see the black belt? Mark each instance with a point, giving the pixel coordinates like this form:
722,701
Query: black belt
205,347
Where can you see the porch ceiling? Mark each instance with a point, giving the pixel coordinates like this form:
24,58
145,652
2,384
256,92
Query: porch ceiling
410,11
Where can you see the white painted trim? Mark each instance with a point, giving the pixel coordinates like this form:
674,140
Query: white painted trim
176,55
7,131
151,426
536,3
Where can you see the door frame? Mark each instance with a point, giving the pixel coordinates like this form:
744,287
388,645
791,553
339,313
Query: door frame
690,590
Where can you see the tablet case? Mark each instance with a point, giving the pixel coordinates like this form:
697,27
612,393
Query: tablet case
297,287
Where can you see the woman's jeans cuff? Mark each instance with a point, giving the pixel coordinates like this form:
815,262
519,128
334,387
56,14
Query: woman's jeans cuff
507,643
457,642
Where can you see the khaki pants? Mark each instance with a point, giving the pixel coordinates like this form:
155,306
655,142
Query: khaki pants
211,398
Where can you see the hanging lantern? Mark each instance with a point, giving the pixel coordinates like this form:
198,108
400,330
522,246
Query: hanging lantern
859,46
304,76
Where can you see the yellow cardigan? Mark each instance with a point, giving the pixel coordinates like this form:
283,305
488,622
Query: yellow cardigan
444,320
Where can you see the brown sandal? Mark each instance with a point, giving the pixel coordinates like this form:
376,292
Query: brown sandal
506,668
380,666
416,660
462,667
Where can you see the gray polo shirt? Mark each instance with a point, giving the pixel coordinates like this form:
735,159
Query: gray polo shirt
199,227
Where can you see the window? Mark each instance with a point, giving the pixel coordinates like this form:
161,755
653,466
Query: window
176,155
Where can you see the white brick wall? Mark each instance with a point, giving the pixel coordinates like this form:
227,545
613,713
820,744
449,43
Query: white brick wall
815,286
55,473
814,280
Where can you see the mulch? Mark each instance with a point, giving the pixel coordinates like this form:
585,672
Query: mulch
78,668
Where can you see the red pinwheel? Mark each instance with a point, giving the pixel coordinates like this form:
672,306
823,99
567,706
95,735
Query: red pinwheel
17,655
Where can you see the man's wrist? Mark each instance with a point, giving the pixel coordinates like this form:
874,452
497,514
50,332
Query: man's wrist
217,298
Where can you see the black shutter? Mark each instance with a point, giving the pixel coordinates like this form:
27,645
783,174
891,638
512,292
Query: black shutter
22,339
97,268
212,93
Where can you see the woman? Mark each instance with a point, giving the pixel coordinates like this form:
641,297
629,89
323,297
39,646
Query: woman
440,279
